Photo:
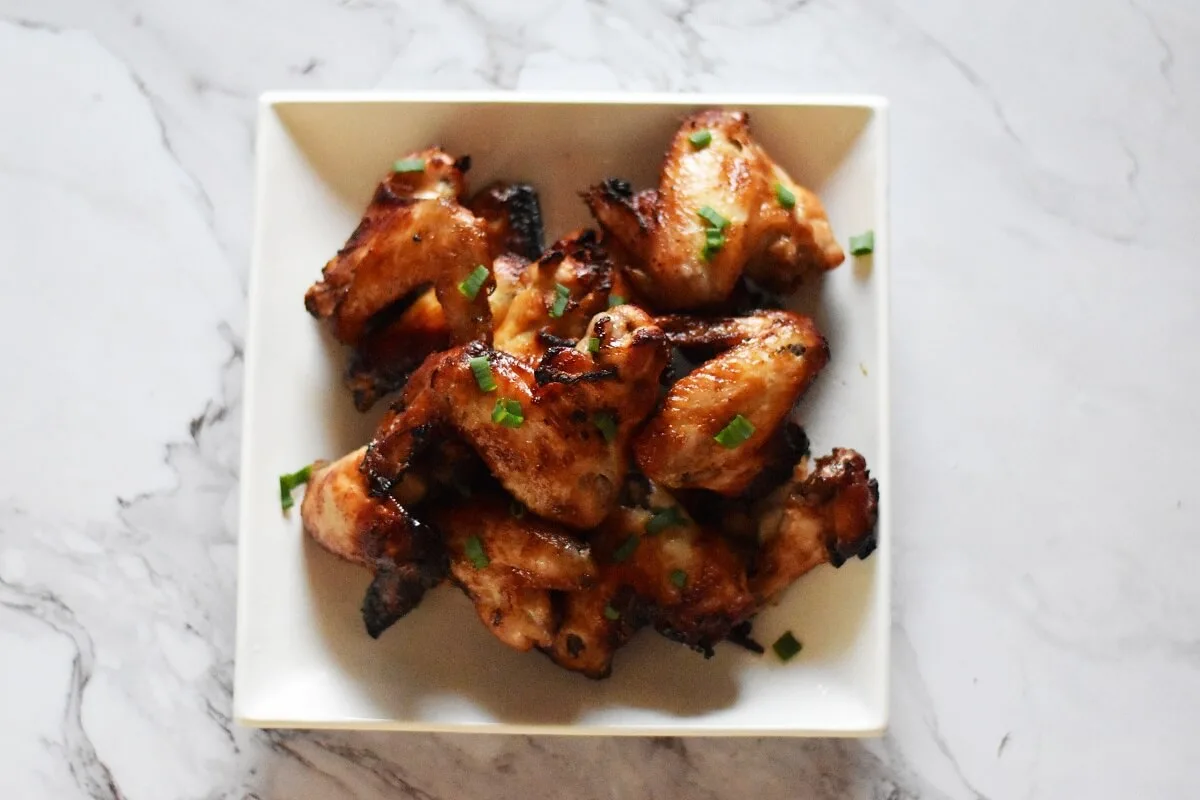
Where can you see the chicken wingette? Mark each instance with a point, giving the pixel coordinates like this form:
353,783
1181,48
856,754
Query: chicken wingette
723,208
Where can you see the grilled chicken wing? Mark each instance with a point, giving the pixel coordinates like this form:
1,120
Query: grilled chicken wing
735,183
769,359
512,214
507,565
657,567
563,452
541,313
825,516
378,533
414,234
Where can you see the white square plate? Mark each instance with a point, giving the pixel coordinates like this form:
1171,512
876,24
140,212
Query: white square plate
303,657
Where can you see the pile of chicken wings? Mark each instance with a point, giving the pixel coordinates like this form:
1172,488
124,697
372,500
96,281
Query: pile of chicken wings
594,437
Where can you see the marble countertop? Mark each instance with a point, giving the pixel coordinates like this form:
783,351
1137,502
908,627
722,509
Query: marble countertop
1046,201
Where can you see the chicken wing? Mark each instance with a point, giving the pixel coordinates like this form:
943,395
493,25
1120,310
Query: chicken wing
556,437
657,567
507,565
407,557
512,214
769,358
723,207
414,234
826,516
558,295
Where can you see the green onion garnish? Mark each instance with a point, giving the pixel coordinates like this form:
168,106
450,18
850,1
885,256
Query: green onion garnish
409,165
784,196
713,219
593,344
700,139
679,578
664,518
474,282
862,244
626,549
615,300
786,646
714,240
475,552
508,413
482,370
737,431
607,426
289,482
561,295
611,613
516,509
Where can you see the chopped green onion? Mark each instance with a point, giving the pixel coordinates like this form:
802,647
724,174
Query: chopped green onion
664,518
615,300
482,370
713,241
737,431
516,509
475,552
679,578
626,549
508,413
784,196
862,244
593,344
786,646
607,426
611,613
714,219
409,165
289,482
474,282
700,139
561,295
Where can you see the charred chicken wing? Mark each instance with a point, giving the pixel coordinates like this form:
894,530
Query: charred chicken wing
765,362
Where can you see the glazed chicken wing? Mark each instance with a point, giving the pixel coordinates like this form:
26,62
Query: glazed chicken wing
657,567
406,556
825,516
769,358
558,295
555,437
507,566
414,235
723,207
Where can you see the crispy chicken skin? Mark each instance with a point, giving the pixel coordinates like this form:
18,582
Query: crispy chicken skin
406,556
512,215
688,583
769,358
556,461
825,516
414,234
526,557
733,176
578,263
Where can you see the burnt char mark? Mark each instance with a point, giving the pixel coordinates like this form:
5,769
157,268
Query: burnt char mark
740,635
395,591
399,585
617,188
556,342
546,374
463,163
575,645
526,229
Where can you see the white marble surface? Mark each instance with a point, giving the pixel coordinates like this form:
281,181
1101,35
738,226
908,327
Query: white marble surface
1046,208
